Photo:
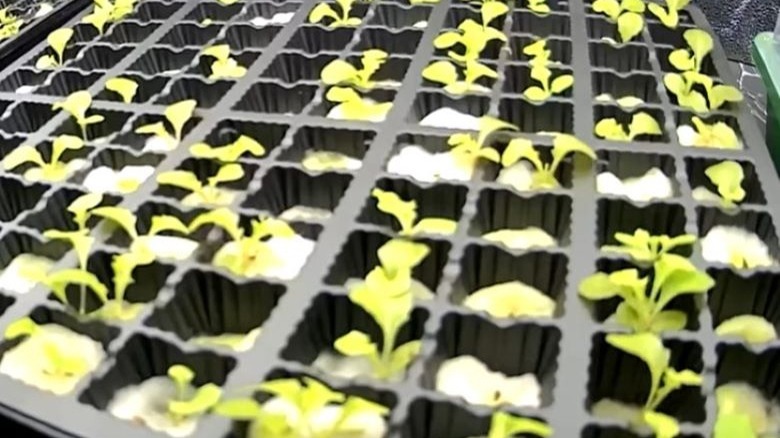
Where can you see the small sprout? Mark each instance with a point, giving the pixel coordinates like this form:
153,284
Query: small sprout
539,7
405,213
224,67
506,425
727,177
669,16
744,412
124,87
231,152
123,266
469,149
202,400
446,73
177,115
540,59
59,281
716,135
204,194
106,12
77,104
324,10
684,87
626,13
21,327
644,248
753,329
700,45
642,123
9,24
340,72
355,107
57,41
52,171
543,176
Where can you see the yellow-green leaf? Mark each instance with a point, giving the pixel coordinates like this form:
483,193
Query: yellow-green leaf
434,225
338,71
752,328
124,87
355,343
58,40
443,72
122,216
178,114
629,25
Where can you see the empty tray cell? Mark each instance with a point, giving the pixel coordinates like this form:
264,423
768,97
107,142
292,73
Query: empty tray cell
17,197
552,116
84,33
204,170
332,316
155,11
684,18
65,82
735,295
506,210
542,27
270,135
54,214
707,66
403,42
190,34
601,28
269,97
484,266
739,364
755,222
398,16
458,13
208,308
203,67
137,169
686,137
9,143
671,37
696,168
160,60
616,375
129,32
243,36
284,188
315,39
443,201
634,165
293,67
603,311
99,58
626,59
15,247
23,81
618,216
214,12
312,139
593,431
358,257
148,87
269,13
518,79
26,117
624,117
560,48
146,142
469,107
514,350
642,86
142,358
207,94
98,133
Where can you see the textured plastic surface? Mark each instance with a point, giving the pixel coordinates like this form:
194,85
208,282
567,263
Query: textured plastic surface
279,102
766,55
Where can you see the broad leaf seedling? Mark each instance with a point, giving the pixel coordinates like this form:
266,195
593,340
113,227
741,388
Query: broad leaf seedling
52,171
340,72
670,16
405,212
231,152
538,7
626,13
355,107
204,194
727,177
124,87
324,10
506,425
184,406
57,41
105,11
77,104
540,72
224,67
645,248
642,123
543,176
177,116
468,149
753,329
715,135
10,24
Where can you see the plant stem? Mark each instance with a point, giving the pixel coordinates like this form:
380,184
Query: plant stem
388,341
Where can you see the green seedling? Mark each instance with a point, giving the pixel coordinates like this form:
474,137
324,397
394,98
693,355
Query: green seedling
643,301
309,399
742,413
204,194
324,10
644,248
59,360
538,7
177,116
727,176
386,294
684,87
124,87
543,176
57,41
77,104
506,425
355,107
626,13
468,149
105,11
405,212
753,329
446,73
224,67
250,255
642,123
691,59
54,170
231,152
664,379
715,135
540,72
340,72
670,16
9,24
183,406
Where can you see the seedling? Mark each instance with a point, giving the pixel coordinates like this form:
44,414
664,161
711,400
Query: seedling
753,329
9,24
644,248
57,41
626,102
386,294
669,16
184,407
60,361
664,379
540,60
77,104
340,72
204,194
177,116
126,88
446,73
715,135
231,152
308,400
742,414
642,123
52,171
543,176
699,46
106,12
626,13
224,67
325,10
469,149
727,177
355,107
506,425
539,7
405,213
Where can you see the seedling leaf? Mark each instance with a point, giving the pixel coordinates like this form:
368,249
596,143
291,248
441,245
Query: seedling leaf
397,254
504,425
227,173
404,211
122,216
124,87
57,41
21,155
403,355
178,114
700,43
21,327
434,225
221,217
492,10
727,177
610,8
180,178
629,25
230,152
244,409
59,281
164,222
663,425
181,374
338,71
752,328
204,399
355,343
647,347
443,72
643,124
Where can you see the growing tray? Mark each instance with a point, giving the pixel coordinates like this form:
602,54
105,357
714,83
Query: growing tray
280,102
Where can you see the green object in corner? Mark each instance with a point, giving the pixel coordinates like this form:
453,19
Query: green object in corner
766,55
